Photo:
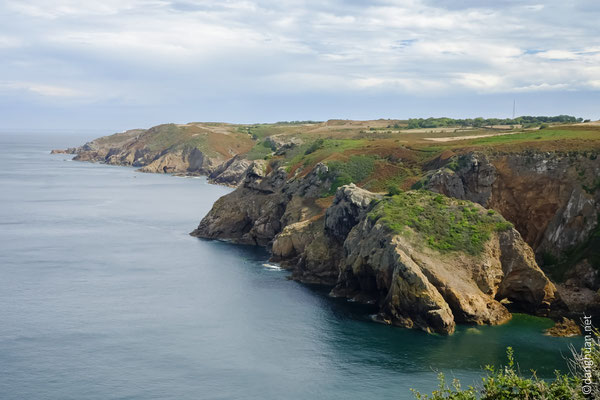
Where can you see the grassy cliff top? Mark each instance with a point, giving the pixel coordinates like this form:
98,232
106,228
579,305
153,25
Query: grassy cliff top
442,223
394,152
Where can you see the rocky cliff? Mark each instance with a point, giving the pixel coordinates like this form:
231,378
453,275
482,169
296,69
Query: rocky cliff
196,149
348,245
553,198
545,182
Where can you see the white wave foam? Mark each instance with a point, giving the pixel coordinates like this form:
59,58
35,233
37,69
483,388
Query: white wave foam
272,266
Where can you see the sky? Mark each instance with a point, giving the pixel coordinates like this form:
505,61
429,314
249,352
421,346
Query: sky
120,64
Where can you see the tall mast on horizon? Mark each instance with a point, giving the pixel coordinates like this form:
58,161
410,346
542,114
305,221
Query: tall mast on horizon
514,107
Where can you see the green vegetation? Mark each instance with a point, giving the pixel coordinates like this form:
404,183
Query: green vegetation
507,383
549,134
443,223
316,145
393,190
355,170
319,152
298,122
525,121
592,188
260,150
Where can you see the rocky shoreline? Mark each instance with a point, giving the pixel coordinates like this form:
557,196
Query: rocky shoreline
345,247
416,279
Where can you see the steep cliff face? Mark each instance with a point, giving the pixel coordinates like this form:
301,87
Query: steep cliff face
183,149
263,205
346,247
231,172
552,198
419,286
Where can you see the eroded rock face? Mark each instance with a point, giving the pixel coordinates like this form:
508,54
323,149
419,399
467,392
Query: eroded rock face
262,206
377,269
349,205
170,148
231,172
552,198
184,161
471,180
418,287
413,286
312,256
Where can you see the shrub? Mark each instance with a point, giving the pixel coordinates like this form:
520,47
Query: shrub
506,383
393,190
316,145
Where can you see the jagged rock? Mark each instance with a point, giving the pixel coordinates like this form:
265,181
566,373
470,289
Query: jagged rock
564,328
281,143
70,150
416,286
303,248
231,172
412,284
378,269
583,275
472,180
524,282
348,206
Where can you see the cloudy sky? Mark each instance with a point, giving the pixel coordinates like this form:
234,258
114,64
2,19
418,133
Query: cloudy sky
117,64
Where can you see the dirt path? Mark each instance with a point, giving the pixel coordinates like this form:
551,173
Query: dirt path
452,138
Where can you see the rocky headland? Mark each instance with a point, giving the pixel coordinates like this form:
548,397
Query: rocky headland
465,233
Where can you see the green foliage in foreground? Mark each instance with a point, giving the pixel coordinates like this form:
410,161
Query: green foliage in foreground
506,383
355,170
445,224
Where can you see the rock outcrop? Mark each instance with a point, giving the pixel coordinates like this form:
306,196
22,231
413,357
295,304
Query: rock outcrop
564,328
343,246
418,287
552,198
190,149
348,207
231,172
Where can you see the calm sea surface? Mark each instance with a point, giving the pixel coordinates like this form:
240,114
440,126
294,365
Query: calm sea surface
103,295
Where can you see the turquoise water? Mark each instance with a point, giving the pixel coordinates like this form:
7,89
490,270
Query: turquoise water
103,295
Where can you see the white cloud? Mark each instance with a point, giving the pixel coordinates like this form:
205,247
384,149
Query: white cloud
234,47
42,89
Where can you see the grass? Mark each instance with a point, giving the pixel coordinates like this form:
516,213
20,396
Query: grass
261,150
548,134
355,170
320,151
444,224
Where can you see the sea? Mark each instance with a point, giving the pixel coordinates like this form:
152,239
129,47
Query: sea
104,295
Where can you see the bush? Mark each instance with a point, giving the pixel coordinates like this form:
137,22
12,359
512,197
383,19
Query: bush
316,145
506,383
393,190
